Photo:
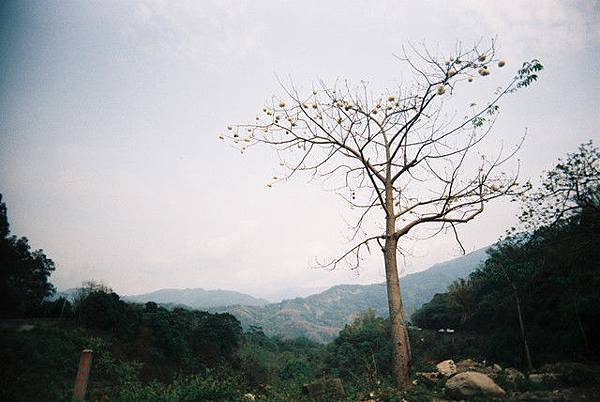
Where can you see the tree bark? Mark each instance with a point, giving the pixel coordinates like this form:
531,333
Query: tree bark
399,332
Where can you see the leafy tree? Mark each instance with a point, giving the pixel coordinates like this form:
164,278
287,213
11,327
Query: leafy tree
87,288
24,273
361,352
570,188
59,308
106,311
295,369
168,334
461,295
511,264
216,337
395,155
569,196
439,313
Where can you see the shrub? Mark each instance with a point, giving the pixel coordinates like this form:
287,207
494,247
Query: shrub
184,389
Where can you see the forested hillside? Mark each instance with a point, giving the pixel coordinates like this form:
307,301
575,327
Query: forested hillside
320,317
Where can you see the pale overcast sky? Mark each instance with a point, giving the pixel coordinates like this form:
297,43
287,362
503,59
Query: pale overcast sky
110,112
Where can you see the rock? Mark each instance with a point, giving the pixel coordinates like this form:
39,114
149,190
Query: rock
432,377
471,365
25,327
512,374
567,374
249,397
550,379
325,390
446,368
471,384
512,377
467,365
575,394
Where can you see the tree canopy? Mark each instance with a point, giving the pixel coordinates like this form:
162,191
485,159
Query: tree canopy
24,273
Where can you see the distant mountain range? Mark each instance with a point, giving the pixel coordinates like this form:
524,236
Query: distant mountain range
320,317
197,298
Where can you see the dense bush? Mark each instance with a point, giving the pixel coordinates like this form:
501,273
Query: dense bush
362,351
44,361
439,313
107,312
272,360
208,387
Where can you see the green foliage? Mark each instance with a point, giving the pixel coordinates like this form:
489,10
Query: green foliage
285,363
44,361
550,272
39,362
106,311
429,347
59,308
191,338
566,191
295,369
478,121
130,343
208,387
527,74
24,273
215,336
438,313
362,351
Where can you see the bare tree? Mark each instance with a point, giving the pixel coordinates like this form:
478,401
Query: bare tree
396,154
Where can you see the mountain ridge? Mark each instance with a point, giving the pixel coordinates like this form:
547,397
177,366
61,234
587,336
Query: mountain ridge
198,298
318,316
321,316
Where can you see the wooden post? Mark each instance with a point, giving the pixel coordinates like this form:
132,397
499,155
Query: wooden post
83,373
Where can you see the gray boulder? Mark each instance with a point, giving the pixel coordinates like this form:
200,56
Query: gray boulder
446,368
512,378
472,384
472,365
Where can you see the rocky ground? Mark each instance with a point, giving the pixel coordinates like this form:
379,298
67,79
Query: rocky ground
471,380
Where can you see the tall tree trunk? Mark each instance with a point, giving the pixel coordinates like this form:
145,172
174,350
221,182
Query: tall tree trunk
400,345
522,326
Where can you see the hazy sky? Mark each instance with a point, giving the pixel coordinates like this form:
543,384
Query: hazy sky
110,112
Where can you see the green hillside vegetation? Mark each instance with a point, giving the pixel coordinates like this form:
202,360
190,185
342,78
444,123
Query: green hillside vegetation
556,278
537,293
